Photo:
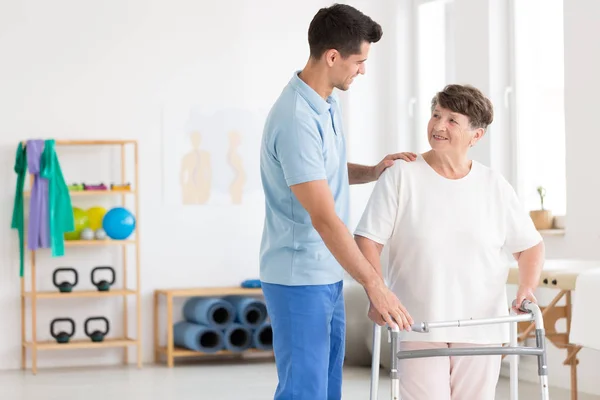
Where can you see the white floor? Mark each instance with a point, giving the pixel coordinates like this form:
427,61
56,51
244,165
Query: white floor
199,381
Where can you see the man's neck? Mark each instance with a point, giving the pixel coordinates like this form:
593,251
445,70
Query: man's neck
315,76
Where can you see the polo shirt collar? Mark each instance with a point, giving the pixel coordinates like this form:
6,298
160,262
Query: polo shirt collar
316,102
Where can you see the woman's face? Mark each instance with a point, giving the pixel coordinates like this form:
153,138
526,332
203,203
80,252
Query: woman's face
451,131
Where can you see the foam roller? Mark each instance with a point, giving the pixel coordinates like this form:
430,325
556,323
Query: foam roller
210,311
238,338
198,337
262,337
249,311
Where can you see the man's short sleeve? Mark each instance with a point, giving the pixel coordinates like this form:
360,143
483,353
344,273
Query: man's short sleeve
379,218
521,233
299,150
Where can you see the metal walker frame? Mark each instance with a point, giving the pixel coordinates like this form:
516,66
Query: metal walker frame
531,313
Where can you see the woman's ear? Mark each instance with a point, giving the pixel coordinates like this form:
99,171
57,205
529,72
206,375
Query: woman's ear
479,132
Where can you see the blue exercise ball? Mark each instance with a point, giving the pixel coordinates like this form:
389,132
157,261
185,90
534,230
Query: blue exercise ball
118,223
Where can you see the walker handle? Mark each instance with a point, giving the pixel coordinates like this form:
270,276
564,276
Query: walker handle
422,327
416,327
523,306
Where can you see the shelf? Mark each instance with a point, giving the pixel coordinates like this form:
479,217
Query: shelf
169,350
92,142
209,291
552,232
183,352
55,294
84,193
106,242
60,142
81,344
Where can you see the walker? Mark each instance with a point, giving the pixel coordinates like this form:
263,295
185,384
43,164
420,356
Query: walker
532,313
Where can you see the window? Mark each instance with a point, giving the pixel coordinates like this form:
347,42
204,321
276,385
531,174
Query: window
433,67
539,102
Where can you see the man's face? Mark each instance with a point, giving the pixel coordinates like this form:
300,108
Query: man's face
344,70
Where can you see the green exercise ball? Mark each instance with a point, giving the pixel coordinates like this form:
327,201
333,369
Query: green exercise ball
81,220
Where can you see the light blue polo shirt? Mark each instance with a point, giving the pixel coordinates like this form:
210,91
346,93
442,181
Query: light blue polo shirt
302,141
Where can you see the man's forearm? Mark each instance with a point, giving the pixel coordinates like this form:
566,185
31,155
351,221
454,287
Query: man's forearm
531,262
340,242
358,174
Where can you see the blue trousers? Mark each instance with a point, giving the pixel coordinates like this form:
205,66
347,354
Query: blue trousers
309,331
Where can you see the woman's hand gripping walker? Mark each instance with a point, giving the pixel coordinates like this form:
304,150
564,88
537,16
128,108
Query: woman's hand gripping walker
531,312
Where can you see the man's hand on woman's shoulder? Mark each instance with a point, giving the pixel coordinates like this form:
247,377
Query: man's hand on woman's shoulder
389,160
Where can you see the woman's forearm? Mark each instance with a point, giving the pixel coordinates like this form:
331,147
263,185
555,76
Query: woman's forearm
531,262
372,252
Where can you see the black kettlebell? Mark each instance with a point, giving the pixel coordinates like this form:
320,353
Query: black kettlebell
97,335
65,287
103,285
62,336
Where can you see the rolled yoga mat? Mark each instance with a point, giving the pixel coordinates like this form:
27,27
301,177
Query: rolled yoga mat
249,311
198,337
238,338
210,311
262,337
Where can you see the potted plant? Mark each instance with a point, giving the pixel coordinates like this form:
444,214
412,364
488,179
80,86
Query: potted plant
542,218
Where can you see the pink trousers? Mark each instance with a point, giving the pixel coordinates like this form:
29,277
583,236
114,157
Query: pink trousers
447,378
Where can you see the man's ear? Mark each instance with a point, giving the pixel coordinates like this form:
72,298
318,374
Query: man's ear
331,56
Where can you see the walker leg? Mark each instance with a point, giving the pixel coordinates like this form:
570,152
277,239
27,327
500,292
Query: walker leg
514,364
540,339
395,382
544,387
375,361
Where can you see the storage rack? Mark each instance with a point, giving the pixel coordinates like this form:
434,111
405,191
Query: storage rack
34,295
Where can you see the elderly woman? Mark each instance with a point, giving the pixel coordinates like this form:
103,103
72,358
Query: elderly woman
447,220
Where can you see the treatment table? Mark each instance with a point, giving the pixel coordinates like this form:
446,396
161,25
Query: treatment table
567,276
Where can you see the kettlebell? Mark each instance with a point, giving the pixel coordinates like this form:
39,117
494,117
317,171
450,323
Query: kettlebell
103,285
62,336
65,287
97,335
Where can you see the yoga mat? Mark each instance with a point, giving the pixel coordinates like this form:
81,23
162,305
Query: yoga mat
262,337
251,283
210,311
198,337
249,311
238,338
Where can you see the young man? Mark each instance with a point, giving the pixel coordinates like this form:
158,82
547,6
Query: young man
306,243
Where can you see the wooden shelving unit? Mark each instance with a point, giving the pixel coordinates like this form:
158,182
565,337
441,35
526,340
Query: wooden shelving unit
169,350
33,295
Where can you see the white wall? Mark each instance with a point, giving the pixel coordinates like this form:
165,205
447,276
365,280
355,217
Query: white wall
76,69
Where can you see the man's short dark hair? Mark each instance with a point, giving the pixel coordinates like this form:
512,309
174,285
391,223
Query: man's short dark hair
343,28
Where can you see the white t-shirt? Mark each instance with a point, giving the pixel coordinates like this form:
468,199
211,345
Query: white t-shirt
446,239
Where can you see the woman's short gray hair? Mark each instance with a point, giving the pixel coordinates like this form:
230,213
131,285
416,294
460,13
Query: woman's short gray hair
466,100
